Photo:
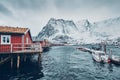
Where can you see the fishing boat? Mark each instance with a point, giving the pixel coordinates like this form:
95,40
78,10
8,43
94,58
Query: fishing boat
115,59
100,56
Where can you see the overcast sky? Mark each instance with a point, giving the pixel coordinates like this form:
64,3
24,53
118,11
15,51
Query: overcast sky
35,14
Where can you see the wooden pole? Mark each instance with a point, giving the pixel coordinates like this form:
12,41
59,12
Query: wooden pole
39,59
40,48
11,48
110,53
105,48
18,61
23,42
11,62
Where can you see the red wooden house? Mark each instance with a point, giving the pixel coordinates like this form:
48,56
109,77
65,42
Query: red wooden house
13,39
45,44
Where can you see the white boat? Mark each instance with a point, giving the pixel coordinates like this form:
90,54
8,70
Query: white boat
115,59
100,56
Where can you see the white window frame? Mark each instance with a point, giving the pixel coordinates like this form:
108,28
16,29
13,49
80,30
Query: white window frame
6,37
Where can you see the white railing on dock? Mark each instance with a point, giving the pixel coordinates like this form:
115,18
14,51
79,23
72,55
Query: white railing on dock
18,47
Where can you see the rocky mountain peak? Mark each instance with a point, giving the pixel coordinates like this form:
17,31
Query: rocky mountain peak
82,31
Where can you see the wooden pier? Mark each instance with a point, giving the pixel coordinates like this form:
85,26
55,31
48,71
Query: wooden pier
20,48
84,49
115,59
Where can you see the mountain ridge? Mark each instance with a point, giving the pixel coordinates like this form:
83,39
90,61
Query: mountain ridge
83,31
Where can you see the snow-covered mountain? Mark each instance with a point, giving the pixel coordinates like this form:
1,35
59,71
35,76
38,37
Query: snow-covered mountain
82,31
108,28
59,30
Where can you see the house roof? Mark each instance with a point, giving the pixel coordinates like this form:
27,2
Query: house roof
7,29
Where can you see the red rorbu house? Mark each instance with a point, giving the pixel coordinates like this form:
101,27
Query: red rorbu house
45,44
13,40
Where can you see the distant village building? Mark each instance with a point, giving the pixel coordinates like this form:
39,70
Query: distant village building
45,44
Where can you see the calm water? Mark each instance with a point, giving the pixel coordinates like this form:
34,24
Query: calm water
60,63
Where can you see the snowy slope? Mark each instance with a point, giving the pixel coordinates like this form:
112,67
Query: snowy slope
80,32
108,28
59,29
85,31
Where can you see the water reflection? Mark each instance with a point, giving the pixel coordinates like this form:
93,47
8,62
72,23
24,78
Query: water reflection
22,67
110,67
101,66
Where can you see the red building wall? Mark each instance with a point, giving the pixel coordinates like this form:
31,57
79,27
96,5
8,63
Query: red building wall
42,43
7,47
16,41
0,39
27,35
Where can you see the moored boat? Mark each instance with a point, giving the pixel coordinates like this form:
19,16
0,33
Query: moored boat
115,59
100,56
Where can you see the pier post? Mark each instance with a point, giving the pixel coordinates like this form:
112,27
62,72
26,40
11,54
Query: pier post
39,59
18,61
11,62
41,49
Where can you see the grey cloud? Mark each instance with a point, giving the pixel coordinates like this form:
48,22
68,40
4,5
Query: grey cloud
37,12
5,10
26,4
63,5
86,4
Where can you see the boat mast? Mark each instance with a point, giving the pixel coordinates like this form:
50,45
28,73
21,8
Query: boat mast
105,48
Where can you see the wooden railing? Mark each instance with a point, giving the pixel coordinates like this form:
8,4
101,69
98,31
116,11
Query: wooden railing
18,47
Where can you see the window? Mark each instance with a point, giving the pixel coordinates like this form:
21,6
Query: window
5,39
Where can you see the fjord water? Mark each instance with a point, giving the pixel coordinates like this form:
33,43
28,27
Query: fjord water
61,63
67,63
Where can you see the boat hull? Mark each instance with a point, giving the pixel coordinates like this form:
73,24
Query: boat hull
115,59
100,57
96,58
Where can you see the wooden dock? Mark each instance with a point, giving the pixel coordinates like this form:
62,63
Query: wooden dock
84,49
113,58
20,48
